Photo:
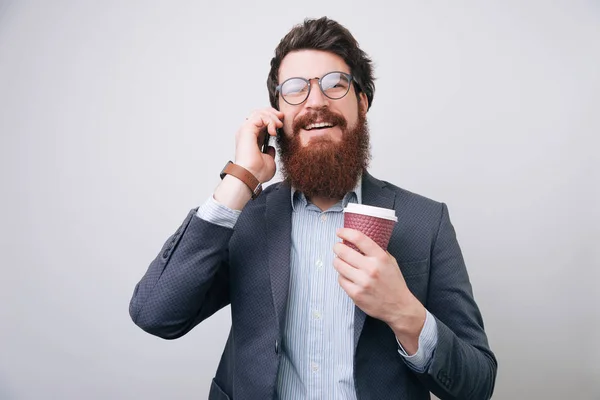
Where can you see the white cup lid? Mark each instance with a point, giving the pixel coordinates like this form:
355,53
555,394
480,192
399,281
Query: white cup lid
371,211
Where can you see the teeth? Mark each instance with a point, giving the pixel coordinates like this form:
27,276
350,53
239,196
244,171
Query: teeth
319,125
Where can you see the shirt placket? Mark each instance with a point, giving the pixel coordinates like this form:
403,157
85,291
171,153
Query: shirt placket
317,306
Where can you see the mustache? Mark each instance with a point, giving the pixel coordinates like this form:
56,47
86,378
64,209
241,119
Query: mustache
323,114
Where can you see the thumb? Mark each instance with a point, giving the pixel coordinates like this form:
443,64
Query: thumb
271,166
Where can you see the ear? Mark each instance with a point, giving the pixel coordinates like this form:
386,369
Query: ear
363,103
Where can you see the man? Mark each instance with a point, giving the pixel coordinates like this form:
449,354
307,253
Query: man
312,317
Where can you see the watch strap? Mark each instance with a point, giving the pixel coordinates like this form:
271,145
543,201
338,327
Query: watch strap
243,175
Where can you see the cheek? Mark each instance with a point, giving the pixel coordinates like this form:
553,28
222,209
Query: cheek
351,117
288,122
349,110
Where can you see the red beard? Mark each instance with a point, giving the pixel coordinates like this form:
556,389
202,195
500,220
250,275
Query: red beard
324,168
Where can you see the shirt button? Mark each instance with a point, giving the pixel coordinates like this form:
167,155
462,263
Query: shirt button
319,264
317,314
314,366
323,217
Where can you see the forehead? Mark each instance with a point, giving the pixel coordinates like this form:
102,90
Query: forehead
310,64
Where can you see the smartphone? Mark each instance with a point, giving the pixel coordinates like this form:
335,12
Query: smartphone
265,138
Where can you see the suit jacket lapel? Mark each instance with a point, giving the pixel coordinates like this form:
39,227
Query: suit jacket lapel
374,193
279,235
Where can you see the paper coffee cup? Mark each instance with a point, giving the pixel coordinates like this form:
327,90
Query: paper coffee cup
375,222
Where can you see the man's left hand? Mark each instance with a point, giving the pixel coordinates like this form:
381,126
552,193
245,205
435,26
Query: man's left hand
376,285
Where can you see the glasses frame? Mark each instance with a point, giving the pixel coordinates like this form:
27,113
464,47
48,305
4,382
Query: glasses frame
350,78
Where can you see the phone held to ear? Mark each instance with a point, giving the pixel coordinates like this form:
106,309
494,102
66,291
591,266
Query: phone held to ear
264,140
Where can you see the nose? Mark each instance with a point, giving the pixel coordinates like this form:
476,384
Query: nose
316,98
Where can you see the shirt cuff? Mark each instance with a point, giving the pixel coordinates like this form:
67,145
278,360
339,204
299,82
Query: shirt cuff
216,213
419,362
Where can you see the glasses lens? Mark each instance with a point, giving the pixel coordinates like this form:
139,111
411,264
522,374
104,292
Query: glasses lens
335,85
294,90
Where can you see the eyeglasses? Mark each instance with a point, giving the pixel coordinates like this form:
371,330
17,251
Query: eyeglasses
334,85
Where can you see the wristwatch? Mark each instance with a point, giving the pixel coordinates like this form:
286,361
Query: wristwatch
243,175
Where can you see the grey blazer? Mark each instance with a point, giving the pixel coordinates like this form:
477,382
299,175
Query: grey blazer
204,267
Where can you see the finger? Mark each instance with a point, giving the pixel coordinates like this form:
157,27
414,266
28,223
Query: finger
266,111
250,137
348,271
269,162
349,255
259,120
269,155
361,241
271,122
272,129
275,111
349,287
276,123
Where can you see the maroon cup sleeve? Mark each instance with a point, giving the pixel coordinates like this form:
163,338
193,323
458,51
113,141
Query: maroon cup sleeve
378,229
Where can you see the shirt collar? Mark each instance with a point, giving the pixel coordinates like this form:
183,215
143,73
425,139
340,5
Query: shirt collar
299,199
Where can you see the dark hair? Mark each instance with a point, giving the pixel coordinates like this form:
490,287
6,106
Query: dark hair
327,35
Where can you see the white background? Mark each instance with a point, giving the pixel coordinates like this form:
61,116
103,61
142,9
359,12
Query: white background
116,118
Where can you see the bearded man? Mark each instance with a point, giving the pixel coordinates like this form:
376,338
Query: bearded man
312,318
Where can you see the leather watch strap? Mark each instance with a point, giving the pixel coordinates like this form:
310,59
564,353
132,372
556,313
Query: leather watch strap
243,175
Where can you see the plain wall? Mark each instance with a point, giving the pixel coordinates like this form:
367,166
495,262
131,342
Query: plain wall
117,117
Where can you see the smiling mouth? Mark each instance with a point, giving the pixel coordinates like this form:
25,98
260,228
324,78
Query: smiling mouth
319,125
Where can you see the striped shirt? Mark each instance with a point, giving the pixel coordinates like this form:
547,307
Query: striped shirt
318,338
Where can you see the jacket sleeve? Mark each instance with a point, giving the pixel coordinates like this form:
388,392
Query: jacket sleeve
187,282
463,366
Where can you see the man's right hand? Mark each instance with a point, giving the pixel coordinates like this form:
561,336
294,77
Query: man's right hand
248,143
232,192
